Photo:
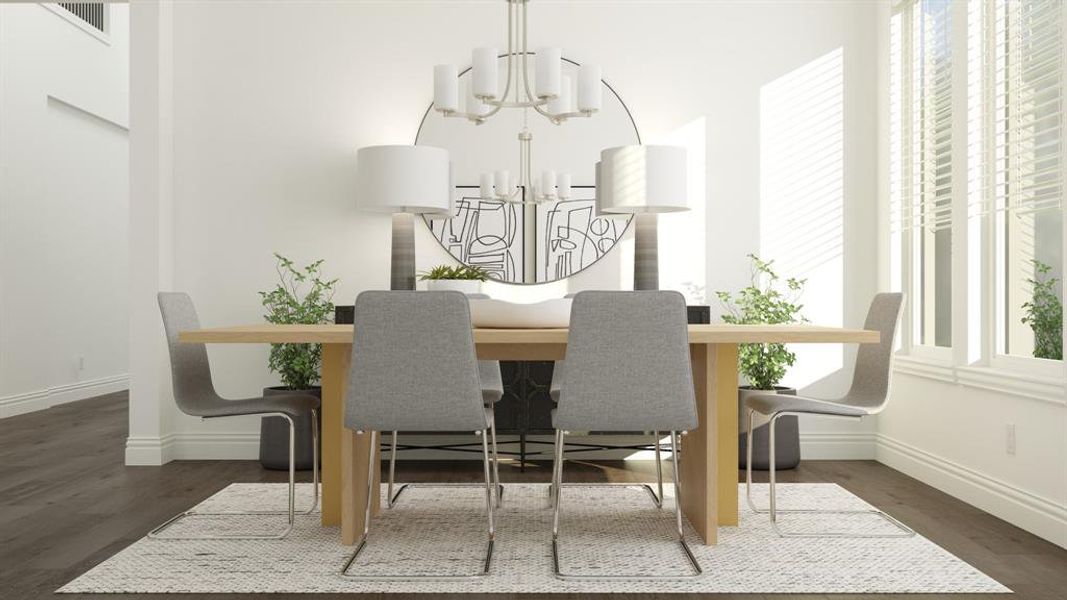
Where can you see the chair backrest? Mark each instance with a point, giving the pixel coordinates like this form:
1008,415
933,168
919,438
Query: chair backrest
874,362
413,364
189,367
628,365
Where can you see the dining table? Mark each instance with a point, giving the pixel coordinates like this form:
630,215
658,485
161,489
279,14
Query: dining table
708,454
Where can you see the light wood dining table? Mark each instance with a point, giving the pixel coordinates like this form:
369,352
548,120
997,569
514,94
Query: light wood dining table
709,465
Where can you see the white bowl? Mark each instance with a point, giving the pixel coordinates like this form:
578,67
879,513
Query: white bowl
467,286
498,314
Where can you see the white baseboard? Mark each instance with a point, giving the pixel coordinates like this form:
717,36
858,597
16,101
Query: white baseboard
154,451
1043,517
148,451
837,446
20,404
245,446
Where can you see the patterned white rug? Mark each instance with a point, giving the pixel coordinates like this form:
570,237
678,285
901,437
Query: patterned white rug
603,530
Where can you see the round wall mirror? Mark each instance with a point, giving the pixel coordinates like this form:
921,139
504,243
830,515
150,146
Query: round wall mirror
527,244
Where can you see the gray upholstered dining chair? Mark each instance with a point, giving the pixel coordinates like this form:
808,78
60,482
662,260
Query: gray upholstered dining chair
628,369
195,395
868,395
492,392
414,369
553,392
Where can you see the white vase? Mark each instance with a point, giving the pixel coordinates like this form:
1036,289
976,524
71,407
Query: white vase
467,286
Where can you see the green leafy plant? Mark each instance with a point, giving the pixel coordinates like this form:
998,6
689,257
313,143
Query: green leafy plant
764,365
301,296
1044,313
458,272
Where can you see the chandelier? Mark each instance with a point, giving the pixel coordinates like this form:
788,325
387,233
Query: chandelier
552,95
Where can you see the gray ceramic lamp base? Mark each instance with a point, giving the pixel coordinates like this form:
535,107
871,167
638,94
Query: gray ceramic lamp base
646,252
402,262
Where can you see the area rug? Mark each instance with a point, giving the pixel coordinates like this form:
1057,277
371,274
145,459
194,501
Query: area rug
603,530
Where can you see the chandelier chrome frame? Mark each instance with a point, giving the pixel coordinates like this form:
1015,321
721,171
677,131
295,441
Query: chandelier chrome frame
517,28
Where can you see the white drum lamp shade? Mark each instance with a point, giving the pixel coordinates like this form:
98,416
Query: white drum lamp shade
644,179
403,180
452,208
601,190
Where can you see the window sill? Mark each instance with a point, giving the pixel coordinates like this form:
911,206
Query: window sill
1052,390
1046,389
930,368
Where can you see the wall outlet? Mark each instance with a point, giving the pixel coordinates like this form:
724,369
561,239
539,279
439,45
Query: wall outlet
1010,438
79,363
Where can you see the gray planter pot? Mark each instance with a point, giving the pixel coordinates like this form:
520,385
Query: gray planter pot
786,432
274,435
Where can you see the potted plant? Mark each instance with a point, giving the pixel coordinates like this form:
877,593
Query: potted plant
764,365
463,278
1044,313
301,296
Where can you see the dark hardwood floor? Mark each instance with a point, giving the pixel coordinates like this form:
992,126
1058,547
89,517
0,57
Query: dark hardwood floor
67,502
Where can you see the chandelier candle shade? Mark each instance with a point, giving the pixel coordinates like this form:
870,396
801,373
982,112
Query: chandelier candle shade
643,181
552,95
404,180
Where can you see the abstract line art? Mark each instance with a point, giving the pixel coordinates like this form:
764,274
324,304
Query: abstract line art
568,236
571,237
484,233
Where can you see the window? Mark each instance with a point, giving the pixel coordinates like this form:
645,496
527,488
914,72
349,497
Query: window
1016,154
921,145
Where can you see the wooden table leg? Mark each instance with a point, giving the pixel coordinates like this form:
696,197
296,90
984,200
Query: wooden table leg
709,478
354,454
335,359
726,401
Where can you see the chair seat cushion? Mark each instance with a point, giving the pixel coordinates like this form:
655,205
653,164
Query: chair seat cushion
769,404
489,377
491,396
557,380
294,405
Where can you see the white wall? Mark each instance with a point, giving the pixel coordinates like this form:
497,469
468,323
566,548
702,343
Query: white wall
947,426
268,107
63,203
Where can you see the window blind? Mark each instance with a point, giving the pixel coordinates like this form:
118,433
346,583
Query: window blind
921,115
1015,105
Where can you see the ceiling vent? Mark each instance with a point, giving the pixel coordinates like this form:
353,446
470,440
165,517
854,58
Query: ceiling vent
90,12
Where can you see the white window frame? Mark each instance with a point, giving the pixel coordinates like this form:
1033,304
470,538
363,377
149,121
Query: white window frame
972,359
907,278
986,224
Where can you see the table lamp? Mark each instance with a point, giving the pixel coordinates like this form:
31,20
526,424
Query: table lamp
643,181
405,181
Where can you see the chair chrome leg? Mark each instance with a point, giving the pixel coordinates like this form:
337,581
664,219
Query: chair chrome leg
773,511
555,465
557,487
558,484
676,477
390,498
314,462
496,458
656,499
415,577
290,511
292,472
488,504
